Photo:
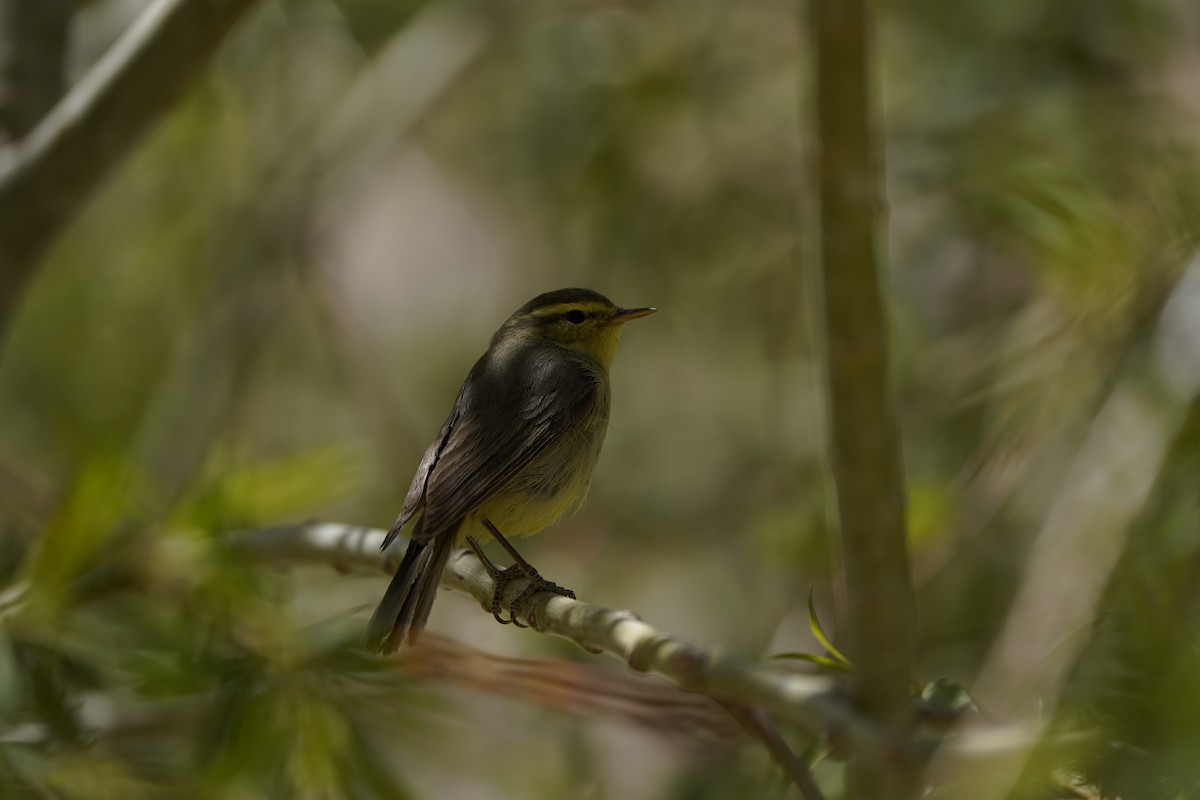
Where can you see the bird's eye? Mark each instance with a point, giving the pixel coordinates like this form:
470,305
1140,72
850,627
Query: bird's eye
575,317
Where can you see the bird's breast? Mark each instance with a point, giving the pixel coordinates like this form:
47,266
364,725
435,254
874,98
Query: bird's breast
551,486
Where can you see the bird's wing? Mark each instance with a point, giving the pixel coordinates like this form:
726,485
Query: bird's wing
492,442
416,492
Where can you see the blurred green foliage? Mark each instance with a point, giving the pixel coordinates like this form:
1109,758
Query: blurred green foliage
251,325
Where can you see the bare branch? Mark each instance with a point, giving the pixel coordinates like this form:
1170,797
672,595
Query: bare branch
758,725
865,443
47,177
814,702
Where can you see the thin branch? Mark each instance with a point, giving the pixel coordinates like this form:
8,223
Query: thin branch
815,702
865,442
46,178
758,725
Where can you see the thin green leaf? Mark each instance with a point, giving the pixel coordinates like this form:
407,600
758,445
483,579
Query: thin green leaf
821,661
814,625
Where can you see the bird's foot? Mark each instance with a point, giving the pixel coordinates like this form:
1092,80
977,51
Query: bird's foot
537,585
502,577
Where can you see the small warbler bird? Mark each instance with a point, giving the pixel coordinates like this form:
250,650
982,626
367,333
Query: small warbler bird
516,453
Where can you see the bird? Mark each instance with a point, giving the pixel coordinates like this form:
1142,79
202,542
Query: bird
515,454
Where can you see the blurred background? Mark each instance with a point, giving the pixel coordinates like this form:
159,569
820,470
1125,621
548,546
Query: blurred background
265,315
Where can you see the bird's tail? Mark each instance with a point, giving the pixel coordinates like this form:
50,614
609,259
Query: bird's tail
405,606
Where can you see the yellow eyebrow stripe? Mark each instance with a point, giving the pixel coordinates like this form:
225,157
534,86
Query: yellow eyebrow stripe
588,307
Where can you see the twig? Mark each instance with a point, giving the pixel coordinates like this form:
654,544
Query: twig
815,702
760,727
47,177
865,442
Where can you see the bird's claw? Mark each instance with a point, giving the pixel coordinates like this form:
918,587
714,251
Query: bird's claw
500,580
537,585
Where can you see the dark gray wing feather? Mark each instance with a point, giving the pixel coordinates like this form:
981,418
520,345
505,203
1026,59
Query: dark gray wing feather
490,443
415,498
404,609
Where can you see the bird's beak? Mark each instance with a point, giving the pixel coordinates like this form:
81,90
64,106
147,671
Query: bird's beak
626,314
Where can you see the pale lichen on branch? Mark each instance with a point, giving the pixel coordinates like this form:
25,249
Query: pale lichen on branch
815,702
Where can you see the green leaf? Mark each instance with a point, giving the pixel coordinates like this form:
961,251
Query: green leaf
821,661
814,625
834,661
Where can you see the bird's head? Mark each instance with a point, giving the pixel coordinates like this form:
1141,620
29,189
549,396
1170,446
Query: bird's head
579,319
